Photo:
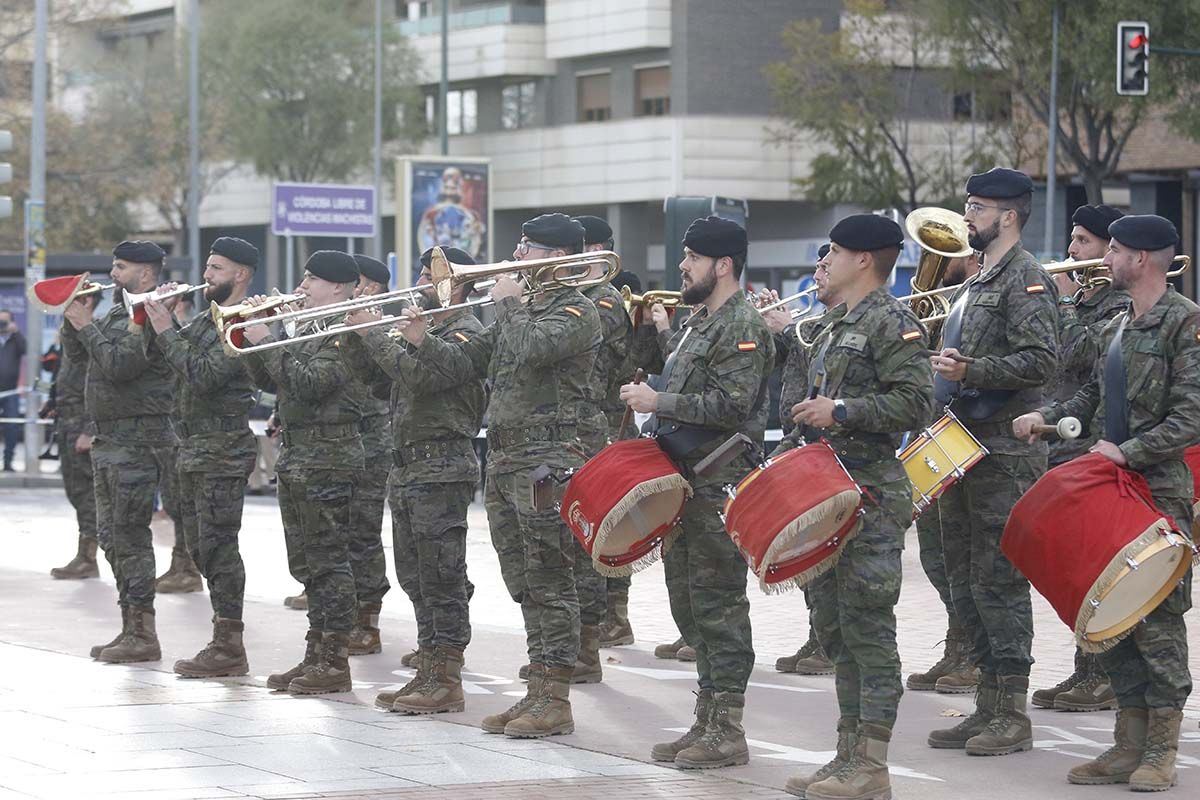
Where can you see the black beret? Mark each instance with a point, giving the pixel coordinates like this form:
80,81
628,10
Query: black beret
373,269
823,251
453,255
139,252
1000,183
332,265
626,278
715,237
596,230
867,232
556,230
236,250
1096,219
1144,232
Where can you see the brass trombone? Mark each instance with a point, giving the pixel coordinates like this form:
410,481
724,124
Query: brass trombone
559,272
231,332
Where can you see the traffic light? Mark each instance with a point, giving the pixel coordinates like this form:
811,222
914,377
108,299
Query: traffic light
6,205
1133,57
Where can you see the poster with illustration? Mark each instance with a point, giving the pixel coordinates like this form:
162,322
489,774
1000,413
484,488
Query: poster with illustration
447,204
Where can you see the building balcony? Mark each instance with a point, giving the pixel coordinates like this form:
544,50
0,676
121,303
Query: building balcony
485,42
576,28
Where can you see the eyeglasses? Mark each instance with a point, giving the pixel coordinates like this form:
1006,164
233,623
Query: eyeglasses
975,208
524,246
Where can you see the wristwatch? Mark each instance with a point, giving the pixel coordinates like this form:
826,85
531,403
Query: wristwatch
839,411
1066,300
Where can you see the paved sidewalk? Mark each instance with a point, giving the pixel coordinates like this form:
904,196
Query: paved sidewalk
73,727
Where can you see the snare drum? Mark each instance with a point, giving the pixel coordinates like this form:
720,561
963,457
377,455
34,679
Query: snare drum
937,458
792,517
622,504
1089,538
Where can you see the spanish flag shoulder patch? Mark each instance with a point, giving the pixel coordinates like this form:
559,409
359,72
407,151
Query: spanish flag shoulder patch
909,336
574,311
462,337
747,347
604,303
1035,288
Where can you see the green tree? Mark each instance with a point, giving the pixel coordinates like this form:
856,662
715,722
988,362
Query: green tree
874,97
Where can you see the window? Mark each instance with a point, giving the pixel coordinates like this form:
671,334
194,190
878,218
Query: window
653,87
516,105
594,95
461,111
431,120
994,107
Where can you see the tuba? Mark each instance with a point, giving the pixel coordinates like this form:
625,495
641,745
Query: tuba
942,235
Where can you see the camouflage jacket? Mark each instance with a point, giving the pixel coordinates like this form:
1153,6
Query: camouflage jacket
718,379
792,357
875,362
612,360
125,391
374,413
316,407
213,397
434,420
1161,352
1079,330
69,383
537,360
1010,328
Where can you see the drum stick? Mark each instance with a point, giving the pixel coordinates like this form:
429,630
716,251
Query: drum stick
1067,428
959,357
638,377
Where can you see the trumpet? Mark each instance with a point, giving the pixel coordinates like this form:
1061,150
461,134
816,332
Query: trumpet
136,300
542,274
231,332
333,309
663,297
90,288
791,298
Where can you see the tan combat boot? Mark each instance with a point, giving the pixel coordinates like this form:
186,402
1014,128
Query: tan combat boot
669,650
364,636
1010,730
1118,762
312,648
808,660
297,602
724,741
686,653
952,657
331,673
587,664
83,565
1157,771
410,659
963,676
1044,698
441,691
666,751
385,700
181,576
550,713
224,656
523,672
140,642
1093,693
99,648
496,723
865,775
616,630
985,708
847,731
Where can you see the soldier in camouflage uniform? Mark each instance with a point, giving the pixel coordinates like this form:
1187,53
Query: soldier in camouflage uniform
714,385
321,458
1083,314
1009,325
435,421
128,398
74,431
370,492
538,358
218,450
1159,346
874,385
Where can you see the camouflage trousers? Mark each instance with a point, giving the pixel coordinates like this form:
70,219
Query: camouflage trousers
77,477
853,609
170,490
991,596
316,510
933,561
212,519
126,477
429,542
366,541
618,585
1149,668
537,561
706,585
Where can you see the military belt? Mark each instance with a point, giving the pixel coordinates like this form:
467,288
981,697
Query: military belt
501,438
195,427
146,423
309,433
434,448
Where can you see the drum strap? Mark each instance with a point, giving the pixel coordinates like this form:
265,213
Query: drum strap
945,391
817,382
660,383
1116,404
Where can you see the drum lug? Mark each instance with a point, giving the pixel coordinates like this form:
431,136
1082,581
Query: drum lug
1133,564
933,467
1094,603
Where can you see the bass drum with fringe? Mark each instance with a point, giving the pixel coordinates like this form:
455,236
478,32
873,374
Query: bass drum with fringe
1091,541
791,517
623,505
1191,457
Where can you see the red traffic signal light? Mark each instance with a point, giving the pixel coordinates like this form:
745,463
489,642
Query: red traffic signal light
1133,56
